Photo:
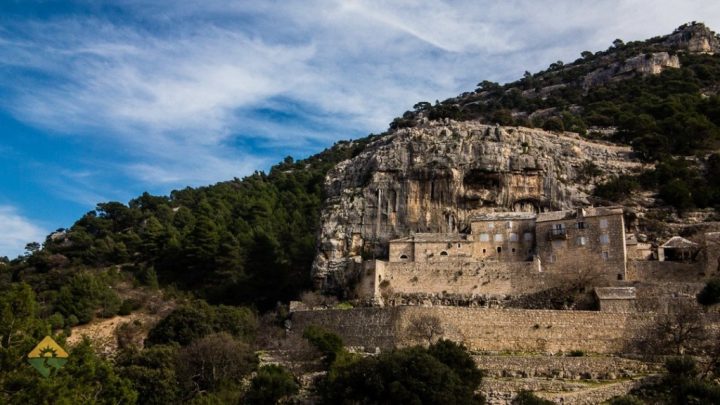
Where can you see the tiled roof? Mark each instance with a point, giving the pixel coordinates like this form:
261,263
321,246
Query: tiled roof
615,293
433,237
678,242
586,212
500,216
554,216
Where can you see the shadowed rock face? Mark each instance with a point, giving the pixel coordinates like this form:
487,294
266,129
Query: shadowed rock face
433,177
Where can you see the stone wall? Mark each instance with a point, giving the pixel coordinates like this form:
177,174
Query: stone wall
664,271
564,367
483,329
461,277
617,305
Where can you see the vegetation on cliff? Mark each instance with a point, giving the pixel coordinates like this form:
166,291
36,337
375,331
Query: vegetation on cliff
250,243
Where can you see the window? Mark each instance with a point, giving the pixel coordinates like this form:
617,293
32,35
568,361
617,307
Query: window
458,246
498,237
509,224
513,250
402,257
513,237
528,237
484,251
603,224
499,249
582,240
491,225
484,237
605,255
619,276
581,225
558,231
559,244
443,253
552,258
604,239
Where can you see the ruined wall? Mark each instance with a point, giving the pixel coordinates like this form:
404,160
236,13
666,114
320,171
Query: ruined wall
483,329
433,177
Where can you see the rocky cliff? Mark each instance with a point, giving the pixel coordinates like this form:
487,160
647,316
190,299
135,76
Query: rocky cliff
431,178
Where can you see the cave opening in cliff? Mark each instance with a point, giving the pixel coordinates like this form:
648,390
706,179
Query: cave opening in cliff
481,179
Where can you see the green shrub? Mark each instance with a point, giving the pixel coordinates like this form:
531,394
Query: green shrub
128,306
198,319
528,398
626,400
616,188
327,342
409,375
271,384
56,321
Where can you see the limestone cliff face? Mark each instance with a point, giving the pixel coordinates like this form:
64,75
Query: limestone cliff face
433,177
695,38
644,64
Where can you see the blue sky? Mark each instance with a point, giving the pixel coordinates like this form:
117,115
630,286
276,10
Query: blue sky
103,102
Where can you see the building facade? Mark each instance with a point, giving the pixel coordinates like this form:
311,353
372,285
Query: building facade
582,235
557,239
503,236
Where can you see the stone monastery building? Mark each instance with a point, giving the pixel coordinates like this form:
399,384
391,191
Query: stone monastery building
595,233
504,253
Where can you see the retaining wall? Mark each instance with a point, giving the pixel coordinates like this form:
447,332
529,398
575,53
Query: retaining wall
483,329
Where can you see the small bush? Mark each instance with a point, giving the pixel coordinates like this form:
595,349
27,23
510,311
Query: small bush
576,353
328,343
528,398
128,306
56,321
710,294
626,400
271,384
344,305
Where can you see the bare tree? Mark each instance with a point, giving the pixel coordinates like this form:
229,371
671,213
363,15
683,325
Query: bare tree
213,360
681,331
425,328
581,271
314,299
571,282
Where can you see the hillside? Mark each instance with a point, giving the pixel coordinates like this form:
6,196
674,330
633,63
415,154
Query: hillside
637,124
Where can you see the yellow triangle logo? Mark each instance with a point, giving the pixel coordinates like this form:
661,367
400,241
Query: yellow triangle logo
48,348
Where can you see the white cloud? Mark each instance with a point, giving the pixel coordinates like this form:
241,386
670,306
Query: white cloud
16,232
177,90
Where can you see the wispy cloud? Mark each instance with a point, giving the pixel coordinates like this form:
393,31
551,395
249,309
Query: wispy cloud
17,231
176,86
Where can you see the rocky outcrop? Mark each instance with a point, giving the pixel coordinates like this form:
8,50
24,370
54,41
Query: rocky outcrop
695,38
644,64
433,177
